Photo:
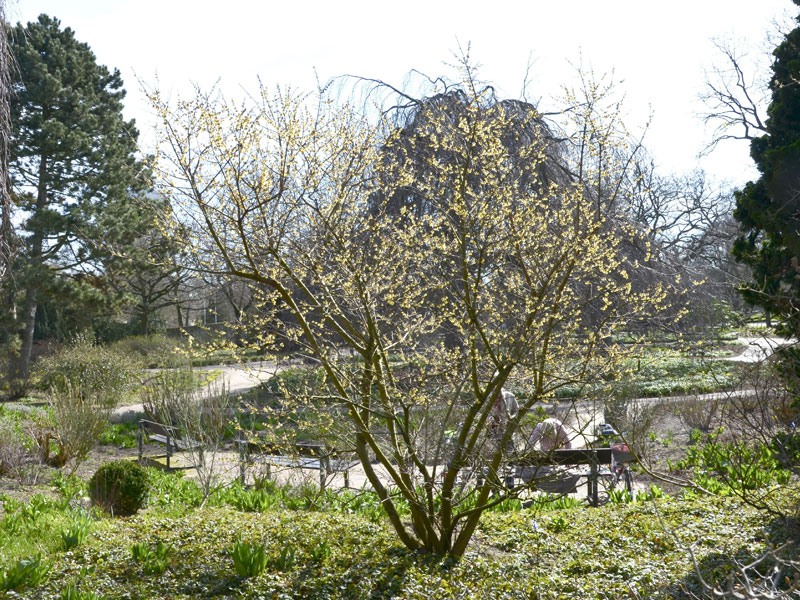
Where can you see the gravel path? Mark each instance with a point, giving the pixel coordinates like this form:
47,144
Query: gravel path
238,379
760,348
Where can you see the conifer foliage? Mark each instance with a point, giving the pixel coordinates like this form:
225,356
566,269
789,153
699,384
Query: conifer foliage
72,164
768,209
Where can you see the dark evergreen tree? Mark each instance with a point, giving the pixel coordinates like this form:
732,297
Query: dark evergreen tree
72,164
768,209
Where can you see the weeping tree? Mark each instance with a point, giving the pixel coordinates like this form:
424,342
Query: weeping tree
6,62
6,205
411,182
292,194
410,158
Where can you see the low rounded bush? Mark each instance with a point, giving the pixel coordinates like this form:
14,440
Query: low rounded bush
120,487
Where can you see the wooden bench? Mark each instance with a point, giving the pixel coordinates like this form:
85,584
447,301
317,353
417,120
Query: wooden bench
595,458
167,435
303,455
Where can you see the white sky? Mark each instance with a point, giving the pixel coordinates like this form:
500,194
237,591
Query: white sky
659,50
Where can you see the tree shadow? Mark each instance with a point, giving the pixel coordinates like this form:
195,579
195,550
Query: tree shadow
386,574
732,571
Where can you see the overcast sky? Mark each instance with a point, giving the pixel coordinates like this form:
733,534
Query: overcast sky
658,50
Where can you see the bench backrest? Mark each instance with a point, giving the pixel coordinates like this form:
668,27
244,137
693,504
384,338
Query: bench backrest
158,428
577,456
300,449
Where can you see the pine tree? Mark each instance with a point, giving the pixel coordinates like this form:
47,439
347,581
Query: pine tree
72,162
768,209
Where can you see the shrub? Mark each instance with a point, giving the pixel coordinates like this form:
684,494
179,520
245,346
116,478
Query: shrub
203,417
90,370
249,560
15,459
147,350
699,413
77,421
295,381
167,392
120,487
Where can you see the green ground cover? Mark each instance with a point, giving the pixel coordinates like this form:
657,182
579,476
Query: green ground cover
664,374
321,546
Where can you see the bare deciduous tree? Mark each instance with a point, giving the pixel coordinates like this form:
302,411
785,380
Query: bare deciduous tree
736,95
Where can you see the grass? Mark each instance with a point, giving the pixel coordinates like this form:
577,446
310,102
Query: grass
346,553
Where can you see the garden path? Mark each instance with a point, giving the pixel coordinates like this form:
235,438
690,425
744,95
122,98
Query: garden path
238,379
760,348
580,422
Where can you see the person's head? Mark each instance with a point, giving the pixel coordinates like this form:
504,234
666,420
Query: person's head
550,427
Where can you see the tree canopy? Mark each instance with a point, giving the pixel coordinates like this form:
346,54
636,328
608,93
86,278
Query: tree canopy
72,164
768,209
278,194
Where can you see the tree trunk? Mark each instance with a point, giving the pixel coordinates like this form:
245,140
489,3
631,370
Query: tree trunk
21,368
145,324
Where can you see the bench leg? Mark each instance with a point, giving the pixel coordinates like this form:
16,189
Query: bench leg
323,475
347,478
139,443
593,499
168,452
242,467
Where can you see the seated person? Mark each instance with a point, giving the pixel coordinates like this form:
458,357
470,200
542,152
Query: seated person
550,434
